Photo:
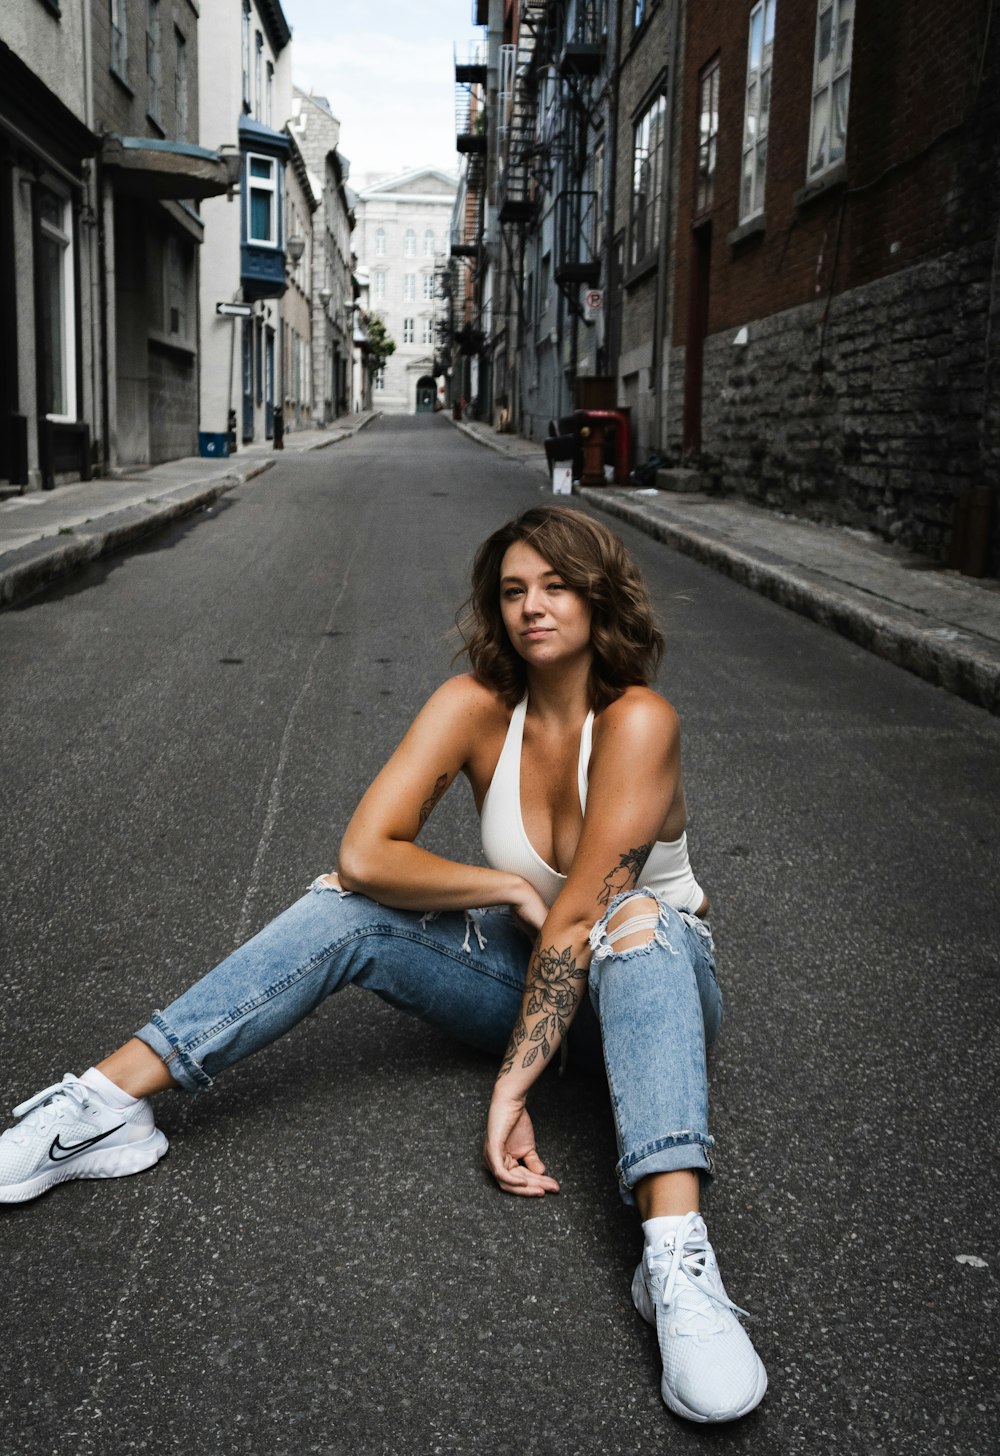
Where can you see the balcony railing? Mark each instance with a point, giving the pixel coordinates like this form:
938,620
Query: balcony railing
577,261
583,51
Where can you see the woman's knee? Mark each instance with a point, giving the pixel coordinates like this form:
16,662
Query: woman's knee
633,922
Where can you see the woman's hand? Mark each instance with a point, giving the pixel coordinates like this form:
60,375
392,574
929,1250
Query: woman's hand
529,909
509,1152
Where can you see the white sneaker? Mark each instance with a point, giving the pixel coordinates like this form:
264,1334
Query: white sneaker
711,1371
69,1131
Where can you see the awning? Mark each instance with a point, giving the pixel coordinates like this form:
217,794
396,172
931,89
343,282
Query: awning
148,168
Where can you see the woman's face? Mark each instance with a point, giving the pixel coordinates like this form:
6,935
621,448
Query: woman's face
547,621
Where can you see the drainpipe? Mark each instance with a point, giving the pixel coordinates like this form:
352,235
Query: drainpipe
659,321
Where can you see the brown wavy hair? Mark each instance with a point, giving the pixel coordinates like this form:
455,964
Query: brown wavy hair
627,644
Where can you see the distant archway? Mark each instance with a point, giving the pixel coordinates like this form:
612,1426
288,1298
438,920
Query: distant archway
426,394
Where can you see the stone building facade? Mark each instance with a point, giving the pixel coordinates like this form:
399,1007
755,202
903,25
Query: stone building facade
403,238
833,296
317,133
50,394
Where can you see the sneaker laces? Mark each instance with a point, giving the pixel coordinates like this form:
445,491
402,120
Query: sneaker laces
46,1105
687,1281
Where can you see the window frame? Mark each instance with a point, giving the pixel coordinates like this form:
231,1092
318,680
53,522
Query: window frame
63,237
118,21
379,281
825,90
754,138
380,242
246,57
409,243
181,107
154,62
428,242
261,185
708,138
652,112
409,287
409,330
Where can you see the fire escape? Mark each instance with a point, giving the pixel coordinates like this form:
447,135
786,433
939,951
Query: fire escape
467,238
580,62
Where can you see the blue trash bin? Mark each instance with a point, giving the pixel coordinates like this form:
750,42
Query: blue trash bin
213,445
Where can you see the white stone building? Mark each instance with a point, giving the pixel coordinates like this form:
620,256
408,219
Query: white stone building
403,237
245,95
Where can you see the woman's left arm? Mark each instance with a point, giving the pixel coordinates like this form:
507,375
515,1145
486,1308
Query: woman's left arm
633,776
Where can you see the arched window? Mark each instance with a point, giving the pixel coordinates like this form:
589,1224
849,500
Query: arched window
409,244
380,242
429,243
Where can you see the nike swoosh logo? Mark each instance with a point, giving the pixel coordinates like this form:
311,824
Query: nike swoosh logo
69,1152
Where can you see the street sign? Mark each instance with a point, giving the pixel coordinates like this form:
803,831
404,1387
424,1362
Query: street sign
593,299
234,310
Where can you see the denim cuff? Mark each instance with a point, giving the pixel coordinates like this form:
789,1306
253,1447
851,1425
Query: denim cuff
186,1072
692,1150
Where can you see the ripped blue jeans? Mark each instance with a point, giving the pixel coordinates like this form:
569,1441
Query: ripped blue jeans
653,1008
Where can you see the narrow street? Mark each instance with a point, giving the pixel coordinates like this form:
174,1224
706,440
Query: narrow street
321,1265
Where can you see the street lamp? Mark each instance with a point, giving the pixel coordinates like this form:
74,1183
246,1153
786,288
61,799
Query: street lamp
295,247
232,159
324,297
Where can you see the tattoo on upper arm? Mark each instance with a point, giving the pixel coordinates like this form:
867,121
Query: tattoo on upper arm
553,985
428,804
625,875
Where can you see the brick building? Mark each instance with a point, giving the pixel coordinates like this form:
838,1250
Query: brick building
837,209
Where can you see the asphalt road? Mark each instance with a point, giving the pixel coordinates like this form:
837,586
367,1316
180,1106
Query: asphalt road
320,1265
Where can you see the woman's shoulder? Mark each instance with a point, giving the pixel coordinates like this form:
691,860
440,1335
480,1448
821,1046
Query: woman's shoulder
464,697
639,719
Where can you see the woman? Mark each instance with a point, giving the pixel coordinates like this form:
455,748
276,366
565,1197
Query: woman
575,767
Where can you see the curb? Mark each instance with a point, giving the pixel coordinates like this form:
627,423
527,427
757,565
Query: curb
496,444
37,564
970,670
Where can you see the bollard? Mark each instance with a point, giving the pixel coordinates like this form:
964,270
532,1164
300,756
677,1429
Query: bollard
279,428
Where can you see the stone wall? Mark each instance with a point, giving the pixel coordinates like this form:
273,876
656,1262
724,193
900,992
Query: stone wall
870,418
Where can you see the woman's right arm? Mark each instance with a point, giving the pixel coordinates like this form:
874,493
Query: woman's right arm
377,854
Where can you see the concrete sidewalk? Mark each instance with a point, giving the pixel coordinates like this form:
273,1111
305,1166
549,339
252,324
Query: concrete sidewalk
934,622
45,534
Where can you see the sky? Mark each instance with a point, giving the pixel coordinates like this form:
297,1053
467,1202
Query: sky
387,69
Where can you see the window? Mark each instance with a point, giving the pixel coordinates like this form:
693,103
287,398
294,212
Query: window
180,87
428,287
258,89
119,37
57,321
246,54
427,331
409,287
647,180
597,187
407,331
708,135
380,242
831,84
380,378
153,57
379,288
263,210
758,106
269,95
429,243
409,244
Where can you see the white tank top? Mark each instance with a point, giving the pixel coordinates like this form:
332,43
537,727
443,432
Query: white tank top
507,847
